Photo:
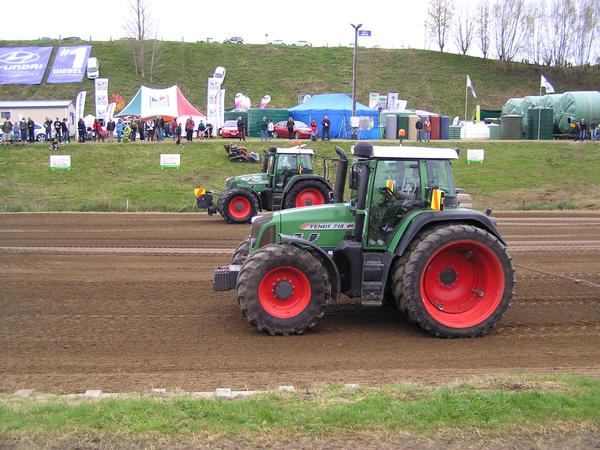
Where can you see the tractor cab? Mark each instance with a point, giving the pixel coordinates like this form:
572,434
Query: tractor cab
281,164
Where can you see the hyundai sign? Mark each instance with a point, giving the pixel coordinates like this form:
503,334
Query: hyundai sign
23,65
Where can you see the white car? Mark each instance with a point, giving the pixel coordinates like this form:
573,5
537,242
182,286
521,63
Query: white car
302,44
277,42
219,73
93,70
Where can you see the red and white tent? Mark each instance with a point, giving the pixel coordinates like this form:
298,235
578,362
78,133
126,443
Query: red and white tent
169,102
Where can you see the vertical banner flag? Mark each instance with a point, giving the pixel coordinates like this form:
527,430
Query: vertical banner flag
546,84
23,65
101,85
79,107
470,86
264,102
110,112
220,109
214,116
392,101
373,99
69,64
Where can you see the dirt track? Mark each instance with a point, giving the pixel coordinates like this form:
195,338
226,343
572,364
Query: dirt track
123,302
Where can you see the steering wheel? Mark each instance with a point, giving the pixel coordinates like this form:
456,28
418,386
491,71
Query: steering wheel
391,194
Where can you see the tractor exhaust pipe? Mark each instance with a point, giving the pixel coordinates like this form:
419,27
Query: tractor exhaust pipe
340,176
361,201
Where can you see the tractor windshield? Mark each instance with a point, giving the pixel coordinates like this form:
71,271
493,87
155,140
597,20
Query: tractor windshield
439,176
396,190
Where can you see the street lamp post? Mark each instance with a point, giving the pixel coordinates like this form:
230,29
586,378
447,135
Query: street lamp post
356,27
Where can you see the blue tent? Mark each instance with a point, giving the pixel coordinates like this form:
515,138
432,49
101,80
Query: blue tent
338,108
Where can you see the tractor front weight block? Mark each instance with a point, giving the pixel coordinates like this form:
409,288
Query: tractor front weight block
205,201
225,278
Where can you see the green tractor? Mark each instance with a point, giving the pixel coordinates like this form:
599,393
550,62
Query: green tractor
287,181
402,239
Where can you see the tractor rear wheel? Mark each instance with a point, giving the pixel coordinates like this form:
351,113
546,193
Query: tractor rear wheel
282,289
457,281
241,252
307,193
238,206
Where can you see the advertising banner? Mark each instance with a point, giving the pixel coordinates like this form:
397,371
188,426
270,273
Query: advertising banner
101,88
264,101
69,64
80,105
215,104
373,99
23,65
392,101
110,112
60,162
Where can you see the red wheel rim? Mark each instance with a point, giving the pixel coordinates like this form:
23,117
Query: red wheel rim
239,207
462,284
284,292
309,197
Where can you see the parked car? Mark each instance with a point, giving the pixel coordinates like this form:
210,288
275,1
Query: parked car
229,129
301,130
234,40
219,73
39,133
72,38
277,42
302,44
93,70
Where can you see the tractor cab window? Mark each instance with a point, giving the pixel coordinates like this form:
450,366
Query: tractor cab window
287,167
305,164
439,176
269,162
396,191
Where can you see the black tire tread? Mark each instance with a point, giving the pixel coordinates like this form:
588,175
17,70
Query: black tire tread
241,252
226,197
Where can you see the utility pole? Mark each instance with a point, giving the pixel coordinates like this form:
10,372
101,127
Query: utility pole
356,27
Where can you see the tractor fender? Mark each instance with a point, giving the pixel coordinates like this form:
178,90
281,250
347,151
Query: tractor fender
427,219
332,270
247,190
297,178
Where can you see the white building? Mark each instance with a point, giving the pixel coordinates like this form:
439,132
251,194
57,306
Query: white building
39,110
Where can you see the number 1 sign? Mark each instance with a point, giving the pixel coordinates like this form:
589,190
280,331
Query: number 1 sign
69,64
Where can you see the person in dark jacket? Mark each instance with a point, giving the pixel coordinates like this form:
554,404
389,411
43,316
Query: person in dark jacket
241,126
325,125
64,127
58,130
290,127
31,129
23,128
81,130
48,128
419,127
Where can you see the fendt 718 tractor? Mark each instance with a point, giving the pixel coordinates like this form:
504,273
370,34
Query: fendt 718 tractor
401,239
287,180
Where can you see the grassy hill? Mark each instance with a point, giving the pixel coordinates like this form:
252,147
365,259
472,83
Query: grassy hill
427,79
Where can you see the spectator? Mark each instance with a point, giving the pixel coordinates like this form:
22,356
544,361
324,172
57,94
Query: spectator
48,129
201,130
427,130
160,125
150,124
141,129
314,131
270,129
264,125
58,130
419,127
209,130
119,129
81,130
110,129
290,127
97,129
16,133
133,127
23,127
582,130
241,128
31,130
325,124
594,130
6,131
65,131
189,129
177,132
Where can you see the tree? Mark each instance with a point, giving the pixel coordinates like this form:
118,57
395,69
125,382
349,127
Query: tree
439,20
464,30
509,19
483,26
585,40
561,25
139,27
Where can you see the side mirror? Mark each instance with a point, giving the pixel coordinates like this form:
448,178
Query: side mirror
354,175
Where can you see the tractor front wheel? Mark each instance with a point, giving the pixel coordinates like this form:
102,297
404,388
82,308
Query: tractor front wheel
238,206
282,289
241,252
457,281
307,193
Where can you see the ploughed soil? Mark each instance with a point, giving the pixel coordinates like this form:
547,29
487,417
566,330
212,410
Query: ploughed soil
124,302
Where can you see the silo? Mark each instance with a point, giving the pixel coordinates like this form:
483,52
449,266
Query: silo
544,117
510,127
577,105
445,127
512,107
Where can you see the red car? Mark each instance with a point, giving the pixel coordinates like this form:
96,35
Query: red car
229,130
301,130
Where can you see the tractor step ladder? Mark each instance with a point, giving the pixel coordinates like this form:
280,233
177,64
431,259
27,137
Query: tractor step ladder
277,201
372,285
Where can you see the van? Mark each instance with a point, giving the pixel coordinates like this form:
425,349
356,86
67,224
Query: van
92,68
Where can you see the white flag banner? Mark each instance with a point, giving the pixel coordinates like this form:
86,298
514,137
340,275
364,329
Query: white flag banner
110,112
470,86
101,87
544,83
373,99
213,112
80,105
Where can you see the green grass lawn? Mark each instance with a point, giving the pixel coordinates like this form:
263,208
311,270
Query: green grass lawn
486,405
119,177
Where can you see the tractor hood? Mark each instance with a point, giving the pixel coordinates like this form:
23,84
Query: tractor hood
249,181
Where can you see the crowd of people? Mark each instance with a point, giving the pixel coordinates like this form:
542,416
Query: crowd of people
22,131
583,131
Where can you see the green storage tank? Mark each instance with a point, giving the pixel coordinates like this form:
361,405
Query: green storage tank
255,116
531,101
575,106
511,127
233,114
494,132
512,107
454,132
542,116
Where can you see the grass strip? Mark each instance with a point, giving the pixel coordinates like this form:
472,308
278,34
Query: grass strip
335,410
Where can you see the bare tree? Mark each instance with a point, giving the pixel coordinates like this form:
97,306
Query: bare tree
533,22
439,20
588,16
561,25
508,17
464,30
483,26
139,27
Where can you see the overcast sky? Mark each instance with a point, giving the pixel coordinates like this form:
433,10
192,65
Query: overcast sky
394,24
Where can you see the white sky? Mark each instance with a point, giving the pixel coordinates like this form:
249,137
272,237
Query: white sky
394,24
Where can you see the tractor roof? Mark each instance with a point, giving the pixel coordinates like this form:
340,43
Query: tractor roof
403,152
299,150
